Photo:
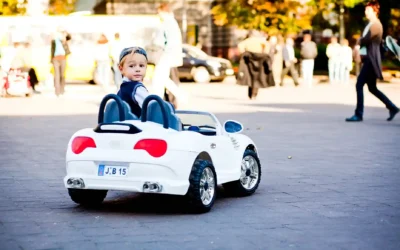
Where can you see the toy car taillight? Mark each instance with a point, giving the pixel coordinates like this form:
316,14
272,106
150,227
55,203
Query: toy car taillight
80,143
155,147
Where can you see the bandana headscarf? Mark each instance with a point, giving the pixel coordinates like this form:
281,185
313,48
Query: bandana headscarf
129,50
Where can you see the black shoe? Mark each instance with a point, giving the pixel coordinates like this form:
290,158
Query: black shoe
392,114
354,118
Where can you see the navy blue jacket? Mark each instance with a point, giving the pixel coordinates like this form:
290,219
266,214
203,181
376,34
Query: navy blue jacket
127,93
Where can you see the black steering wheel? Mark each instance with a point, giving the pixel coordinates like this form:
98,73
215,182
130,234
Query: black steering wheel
103,103
162,106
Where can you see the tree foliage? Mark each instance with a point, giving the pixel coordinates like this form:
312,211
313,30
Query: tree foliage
270,16
19,7
61,7
285,16
13,7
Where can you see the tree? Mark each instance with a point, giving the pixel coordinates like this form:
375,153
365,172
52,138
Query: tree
18,7
61,7
285,16
271,16
13,7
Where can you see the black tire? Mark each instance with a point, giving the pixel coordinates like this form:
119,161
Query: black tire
87,197
236,188
194,195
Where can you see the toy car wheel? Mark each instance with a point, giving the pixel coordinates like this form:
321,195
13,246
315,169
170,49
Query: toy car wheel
203,186
87,197
201,75
250,176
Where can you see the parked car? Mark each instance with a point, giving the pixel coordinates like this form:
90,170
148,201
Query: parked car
201,67
197,66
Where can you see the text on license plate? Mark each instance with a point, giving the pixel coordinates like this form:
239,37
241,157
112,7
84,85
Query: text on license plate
105,170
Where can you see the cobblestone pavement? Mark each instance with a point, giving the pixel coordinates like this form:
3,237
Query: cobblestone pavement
340,189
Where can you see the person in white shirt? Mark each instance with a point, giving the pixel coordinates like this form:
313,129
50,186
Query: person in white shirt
103,61
116,47
170,39
346,61
333,53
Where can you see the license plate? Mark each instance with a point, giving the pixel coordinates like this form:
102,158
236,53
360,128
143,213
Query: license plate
105,170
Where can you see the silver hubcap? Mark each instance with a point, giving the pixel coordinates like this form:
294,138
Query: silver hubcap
207,186
249,174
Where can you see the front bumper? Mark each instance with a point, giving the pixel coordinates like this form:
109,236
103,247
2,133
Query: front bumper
220,73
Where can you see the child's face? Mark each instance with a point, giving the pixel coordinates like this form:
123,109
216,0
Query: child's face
134,67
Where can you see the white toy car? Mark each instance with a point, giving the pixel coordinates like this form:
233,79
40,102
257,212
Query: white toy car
165,151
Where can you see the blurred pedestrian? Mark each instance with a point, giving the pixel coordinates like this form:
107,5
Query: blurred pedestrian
290,60
333,53
59,52
257,44
116,47
370,51
346,62
103,62
277,58
308,53
170,39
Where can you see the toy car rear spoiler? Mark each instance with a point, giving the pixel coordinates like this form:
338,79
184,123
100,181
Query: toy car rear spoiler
121,128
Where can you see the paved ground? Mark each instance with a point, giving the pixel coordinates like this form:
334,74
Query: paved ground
340,190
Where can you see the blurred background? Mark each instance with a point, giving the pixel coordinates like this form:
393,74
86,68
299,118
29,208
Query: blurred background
211,30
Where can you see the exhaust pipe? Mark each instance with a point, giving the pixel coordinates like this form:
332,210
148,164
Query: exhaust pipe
152,187
75,183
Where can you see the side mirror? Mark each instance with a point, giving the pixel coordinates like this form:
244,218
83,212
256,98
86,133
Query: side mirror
233,127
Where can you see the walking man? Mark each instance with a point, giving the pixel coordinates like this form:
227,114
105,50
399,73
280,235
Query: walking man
290,60
371,68
254,43
308,53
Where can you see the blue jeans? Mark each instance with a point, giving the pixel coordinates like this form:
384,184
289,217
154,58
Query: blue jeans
368,76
